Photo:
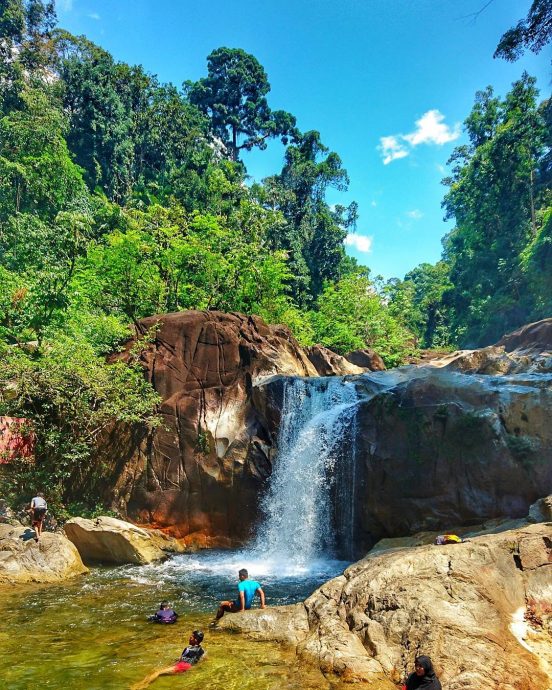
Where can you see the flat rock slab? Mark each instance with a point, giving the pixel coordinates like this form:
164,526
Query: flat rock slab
286,624
22,560
109,540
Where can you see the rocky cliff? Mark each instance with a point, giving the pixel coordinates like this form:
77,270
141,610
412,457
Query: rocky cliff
455,442
200,472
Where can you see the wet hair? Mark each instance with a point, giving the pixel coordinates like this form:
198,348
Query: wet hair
425,663
164,604
198,634
243,573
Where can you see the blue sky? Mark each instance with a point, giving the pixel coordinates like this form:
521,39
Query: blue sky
386,82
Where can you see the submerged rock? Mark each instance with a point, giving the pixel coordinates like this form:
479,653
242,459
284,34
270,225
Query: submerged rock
53,559
109,540
456,603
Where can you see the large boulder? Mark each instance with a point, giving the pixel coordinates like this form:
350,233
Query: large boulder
200,472
109,540
53,559
480,609
437,448
367,359
329,363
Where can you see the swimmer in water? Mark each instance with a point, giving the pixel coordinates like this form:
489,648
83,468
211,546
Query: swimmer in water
193,654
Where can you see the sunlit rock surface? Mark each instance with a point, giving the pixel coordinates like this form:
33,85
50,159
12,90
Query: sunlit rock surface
458,603
109,540
53,559
329,363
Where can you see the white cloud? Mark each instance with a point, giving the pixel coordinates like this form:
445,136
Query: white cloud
94,15
391,149
415,214
374,204
361,243
430,129
64,5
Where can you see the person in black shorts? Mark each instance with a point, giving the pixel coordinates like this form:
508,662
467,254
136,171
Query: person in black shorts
38,511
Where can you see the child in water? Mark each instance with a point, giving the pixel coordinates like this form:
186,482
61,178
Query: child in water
190,656
165,614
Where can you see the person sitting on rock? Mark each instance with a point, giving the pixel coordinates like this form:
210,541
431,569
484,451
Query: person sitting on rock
193,654
165,614
38,511
423,676
246,591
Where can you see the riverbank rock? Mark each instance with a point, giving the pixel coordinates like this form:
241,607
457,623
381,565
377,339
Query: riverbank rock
329,363
200,472
109,540
527,350
367,359
461,604
53,559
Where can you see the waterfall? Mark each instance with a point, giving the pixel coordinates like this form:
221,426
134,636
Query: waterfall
314,452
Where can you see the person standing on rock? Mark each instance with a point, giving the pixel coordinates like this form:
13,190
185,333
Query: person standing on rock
38,511
246,591
424,676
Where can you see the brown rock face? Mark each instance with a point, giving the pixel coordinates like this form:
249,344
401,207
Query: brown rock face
329,363
533,337
201,471
527,350
368,359
441,448
464,605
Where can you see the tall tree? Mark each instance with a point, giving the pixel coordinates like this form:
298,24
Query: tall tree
233,95
314,232
493,198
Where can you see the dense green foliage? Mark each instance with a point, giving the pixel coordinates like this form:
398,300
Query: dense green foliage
497,261
121,197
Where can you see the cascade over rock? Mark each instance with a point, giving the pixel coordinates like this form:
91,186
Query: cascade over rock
434,445
200,472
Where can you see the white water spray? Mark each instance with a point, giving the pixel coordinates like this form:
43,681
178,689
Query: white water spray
299,523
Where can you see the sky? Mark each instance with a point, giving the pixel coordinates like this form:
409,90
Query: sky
387,83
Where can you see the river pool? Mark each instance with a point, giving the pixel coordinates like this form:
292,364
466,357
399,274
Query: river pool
91,633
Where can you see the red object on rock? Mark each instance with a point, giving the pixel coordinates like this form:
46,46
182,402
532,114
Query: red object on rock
17,439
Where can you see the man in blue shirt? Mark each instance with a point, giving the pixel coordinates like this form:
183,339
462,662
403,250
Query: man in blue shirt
246,590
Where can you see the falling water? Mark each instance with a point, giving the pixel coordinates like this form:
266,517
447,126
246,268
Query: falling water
313,443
